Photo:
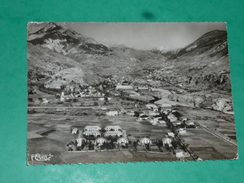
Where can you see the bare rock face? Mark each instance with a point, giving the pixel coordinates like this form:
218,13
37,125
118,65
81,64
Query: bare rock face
53,47
201,101
33,27
198,101
221,104
202,65
194,101
65,77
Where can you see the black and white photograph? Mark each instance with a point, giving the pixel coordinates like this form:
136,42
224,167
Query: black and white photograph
129,92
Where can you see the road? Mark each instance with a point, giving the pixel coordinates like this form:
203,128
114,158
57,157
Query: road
219,135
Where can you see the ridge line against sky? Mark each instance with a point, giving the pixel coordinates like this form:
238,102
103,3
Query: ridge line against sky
146,36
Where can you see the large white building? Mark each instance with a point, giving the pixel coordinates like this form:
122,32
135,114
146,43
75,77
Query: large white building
124,87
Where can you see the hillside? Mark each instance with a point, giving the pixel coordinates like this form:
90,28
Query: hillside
53,48
202,64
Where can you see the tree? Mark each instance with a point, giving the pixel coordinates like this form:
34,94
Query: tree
136,114
62,87
105,100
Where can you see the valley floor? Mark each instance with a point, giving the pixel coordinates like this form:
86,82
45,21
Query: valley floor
49,134
49,125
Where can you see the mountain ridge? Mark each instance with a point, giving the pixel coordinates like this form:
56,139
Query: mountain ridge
201,64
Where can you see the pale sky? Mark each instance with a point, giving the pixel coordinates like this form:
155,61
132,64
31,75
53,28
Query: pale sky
146,35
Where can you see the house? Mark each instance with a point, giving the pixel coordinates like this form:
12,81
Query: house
142,88
153,107
142,117
190,124
153,121
171,134
167,141
132,93
145,141
181,131
45,101
124,83
75,131
104,108
92,128
131,113
100,141
178,124
122,140
102,98
157,121
113,133
164,105
180,154
113,128
152,113
94,133
172,117
112,113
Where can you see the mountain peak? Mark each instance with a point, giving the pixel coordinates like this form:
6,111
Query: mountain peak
62,24
204,44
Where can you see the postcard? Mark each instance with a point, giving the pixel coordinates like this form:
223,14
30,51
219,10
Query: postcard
128,92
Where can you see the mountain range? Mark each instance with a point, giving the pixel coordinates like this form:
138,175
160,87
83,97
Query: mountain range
58,55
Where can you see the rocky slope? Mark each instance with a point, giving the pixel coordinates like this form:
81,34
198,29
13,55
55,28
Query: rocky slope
53,47
199,73
202,65
58,56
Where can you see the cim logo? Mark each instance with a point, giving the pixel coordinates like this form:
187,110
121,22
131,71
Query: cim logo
41,157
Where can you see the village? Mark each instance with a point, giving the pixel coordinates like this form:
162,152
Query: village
112,138
129,117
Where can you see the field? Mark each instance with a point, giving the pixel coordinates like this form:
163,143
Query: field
49,132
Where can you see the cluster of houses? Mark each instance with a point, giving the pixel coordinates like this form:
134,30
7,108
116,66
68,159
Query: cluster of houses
109,87
152,114
113,137
70,93
96,138
91,132
110,137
